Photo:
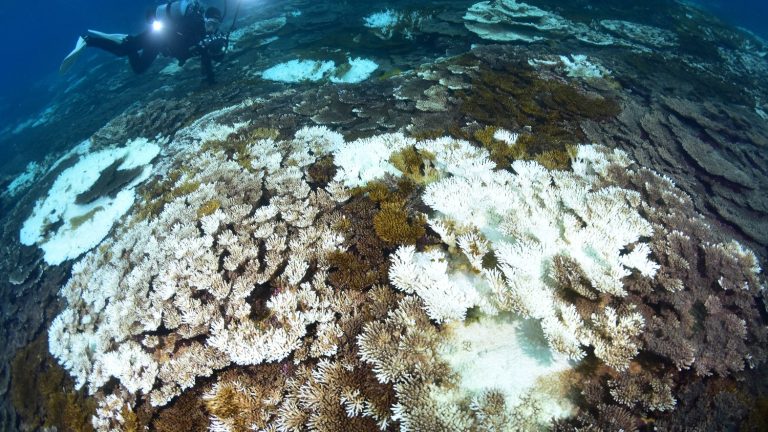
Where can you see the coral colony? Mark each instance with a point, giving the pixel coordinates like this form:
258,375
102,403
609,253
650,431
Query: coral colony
234,270
500,275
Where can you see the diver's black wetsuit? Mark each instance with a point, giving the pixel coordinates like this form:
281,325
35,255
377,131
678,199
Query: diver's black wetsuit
182,38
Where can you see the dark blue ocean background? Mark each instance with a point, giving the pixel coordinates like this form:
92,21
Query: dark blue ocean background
37,34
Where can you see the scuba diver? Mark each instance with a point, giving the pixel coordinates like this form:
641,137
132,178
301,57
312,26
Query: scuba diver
180,28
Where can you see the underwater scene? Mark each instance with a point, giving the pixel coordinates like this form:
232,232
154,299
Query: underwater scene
456,215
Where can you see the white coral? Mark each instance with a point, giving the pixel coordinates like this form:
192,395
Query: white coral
533,215
166,273
367,159
510,138
446,297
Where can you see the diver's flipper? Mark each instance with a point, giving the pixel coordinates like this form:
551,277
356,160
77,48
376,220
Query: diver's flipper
116,38
69,60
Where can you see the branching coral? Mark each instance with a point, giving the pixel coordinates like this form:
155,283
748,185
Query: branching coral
304,291
393,226
245,400
543,223
189,279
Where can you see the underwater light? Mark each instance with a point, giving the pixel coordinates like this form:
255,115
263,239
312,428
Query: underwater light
157,25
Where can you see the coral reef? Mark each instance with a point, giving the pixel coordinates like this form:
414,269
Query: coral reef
271,276
285,278
514,97
291,283
160,117
235,232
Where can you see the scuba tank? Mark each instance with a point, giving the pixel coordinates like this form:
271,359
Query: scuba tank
172,10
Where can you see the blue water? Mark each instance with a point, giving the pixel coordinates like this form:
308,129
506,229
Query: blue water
37,34
750,14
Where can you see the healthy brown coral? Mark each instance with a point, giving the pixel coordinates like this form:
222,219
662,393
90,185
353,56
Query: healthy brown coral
44,395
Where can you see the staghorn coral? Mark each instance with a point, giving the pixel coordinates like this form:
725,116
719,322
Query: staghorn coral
512,96
335,395
393,226
702,311
535,218
186,413
643,390
415,164
244,400
210,266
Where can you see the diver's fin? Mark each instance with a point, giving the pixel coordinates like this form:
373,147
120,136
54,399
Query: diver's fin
116,37
69,60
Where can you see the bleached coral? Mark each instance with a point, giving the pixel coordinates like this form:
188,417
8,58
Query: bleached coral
165,273
383,21
458,157
298,70
578,66
64,228
539,258
510,138
367,159
385,24
612,336
359,70
32,172
446,298
535,215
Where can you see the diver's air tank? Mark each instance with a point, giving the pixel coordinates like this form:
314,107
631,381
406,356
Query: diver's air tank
172,10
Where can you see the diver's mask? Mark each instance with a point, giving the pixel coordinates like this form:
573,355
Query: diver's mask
212,20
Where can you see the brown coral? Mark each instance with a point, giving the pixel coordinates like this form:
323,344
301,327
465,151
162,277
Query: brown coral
393,225
44,395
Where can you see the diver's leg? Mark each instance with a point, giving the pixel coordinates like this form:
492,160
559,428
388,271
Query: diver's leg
118,45
207,68
141,61
113,43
